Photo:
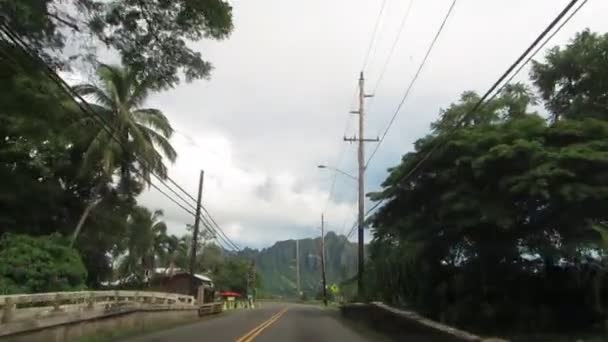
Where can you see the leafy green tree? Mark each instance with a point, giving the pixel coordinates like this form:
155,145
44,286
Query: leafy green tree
178,250
501,227
131,147
39,264
44,187
35,154
570,81
211,259
151,36
232,275
146,243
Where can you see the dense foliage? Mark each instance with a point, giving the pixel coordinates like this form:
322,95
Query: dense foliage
39,264
499,228
150,36
76,176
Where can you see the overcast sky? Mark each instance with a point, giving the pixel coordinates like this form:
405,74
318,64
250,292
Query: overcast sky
278,99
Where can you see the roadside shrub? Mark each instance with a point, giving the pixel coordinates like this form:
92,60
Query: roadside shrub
39,264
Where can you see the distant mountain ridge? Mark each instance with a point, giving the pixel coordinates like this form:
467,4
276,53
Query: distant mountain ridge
277,264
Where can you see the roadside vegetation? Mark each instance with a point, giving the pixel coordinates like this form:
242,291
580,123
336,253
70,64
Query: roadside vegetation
69,215
504,227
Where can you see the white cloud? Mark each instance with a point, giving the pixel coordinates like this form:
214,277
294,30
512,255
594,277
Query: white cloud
253,207
278,99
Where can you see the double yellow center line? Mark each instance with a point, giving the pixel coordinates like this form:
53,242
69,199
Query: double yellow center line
248,337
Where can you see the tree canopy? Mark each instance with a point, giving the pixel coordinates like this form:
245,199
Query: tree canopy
39,264
66,173
499,226
151,36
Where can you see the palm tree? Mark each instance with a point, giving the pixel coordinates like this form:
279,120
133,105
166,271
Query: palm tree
146,242
138,139
178,253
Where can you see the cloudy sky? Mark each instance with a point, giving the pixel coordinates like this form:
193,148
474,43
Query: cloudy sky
277,103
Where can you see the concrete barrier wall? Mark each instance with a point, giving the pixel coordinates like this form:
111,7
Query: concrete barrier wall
405,325
37,305
69,327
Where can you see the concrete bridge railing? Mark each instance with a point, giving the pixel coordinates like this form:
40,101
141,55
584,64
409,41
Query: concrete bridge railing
38,305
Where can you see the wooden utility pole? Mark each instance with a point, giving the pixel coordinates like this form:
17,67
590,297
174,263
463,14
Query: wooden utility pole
361,178
324,281
197,221
253,276
251,291
298,288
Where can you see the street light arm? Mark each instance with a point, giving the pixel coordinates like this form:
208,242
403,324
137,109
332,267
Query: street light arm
337,170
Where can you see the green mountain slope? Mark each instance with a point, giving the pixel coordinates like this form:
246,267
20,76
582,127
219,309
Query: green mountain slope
277,264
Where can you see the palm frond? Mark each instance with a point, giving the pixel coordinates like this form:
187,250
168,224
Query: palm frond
141,133
160,228
112,80
99,95
143,142
155,119
103,152
139,92
161,142
157,214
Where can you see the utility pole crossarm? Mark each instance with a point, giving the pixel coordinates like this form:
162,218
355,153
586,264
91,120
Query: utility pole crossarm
355,139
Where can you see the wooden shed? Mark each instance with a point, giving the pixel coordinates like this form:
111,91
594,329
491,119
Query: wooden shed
179,281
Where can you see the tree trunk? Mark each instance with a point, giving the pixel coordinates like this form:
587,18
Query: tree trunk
597,292
82,219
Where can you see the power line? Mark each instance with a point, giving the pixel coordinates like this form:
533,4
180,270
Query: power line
365,62
346,219
83,105
373,38
392,50
413,81
210,218
206,211
203,207
59,82
525,53
340,156
335,173
436,146
367,213
537,50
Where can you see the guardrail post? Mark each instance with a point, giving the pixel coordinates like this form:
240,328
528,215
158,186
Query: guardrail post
8,311
200,295
57,303
91,301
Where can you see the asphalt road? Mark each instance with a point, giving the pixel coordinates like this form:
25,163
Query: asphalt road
270,323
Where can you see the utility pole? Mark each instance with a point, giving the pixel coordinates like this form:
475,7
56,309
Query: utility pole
298,289
323,261
197,221
361,178
251,291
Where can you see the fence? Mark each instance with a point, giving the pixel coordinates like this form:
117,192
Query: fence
210,309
